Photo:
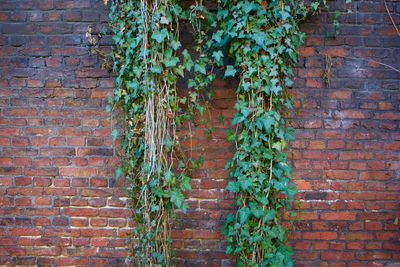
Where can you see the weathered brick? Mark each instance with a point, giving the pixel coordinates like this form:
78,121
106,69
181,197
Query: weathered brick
331,255
320,235
57,162
80,212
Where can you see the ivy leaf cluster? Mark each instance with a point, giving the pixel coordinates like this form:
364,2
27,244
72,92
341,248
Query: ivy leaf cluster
262,38
148,62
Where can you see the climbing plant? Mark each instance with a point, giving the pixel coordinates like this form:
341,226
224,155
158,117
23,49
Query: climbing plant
148,64
262,38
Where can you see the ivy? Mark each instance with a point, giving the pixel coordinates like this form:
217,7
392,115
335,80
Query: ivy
148,63
262,38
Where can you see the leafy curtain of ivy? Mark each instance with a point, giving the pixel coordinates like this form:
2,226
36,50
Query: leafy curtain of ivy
262,38
148,60
146,37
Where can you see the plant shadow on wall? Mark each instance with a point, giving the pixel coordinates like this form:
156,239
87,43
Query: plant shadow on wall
262,39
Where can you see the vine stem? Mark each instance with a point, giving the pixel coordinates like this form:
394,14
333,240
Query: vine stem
391,18
371,60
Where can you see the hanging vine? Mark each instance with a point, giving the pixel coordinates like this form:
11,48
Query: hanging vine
148,61
263,38
145,56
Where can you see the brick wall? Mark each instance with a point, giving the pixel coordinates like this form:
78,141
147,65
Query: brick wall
60,203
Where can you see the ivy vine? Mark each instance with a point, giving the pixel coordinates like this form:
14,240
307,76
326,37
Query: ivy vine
262,38
148,64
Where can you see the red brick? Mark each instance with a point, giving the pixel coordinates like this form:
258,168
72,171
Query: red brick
340,94
334,52
331,255
201,234
98,222
378,175
23,181
338,216
341,175
355,245
319,155
80,212
35,83
314,83
24,232
387,116
9,132
114,213
78,172
98,233
61,232
99,182
320,235
356,236
6,162
373,255
306,51
351,114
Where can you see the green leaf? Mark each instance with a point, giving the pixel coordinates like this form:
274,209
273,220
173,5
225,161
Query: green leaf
187,62
238,118
177,198
244,214
222,14
259,38
230,136
200,68
314,6
118,172
269,215
156,69
265,123
218,56
159,36
175,45
217,36
180,71
230,218
168,143
257,211
164,20
277,146
245,182
158,257
154,208
168,175
232,187
114,134
290,134
230,71
185,183
171,62
248,7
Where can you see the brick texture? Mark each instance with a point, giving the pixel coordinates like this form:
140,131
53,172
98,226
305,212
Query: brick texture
61,205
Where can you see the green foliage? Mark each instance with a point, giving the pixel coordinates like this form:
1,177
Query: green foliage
148,63
262,38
